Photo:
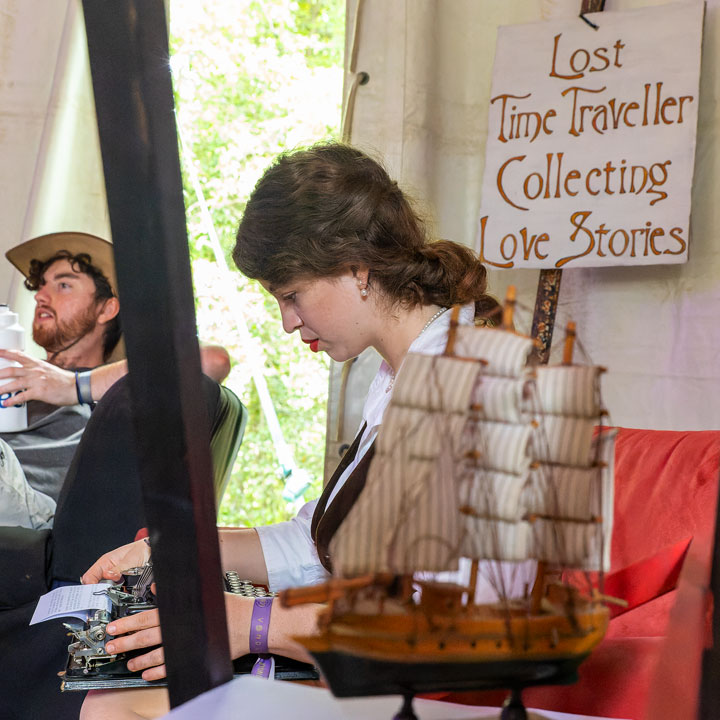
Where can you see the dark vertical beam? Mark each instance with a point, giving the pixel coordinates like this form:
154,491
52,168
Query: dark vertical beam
129,61
709,700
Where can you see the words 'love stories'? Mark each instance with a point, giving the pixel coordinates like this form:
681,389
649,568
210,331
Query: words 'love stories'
590,238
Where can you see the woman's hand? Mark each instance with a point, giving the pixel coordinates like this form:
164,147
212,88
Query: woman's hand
112,564
37,380
141,630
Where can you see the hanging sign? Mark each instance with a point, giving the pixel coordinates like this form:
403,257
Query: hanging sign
591,140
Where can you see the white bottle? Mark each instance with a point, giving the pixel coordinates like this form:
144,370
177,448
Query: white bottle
12,337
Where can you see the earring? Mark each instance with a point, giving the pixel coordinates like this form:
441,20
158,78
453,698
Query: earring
364,291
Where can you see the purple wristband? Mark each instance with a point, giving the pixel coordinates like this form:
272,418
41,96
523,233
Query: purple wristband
260,624
264,667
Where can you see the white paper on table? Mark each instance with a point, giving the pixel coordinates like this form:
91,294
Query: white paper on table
72,601
275,698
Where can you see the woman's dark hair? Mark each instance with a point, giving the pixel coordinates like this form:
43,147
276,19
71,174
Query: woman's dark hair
322,211
80,263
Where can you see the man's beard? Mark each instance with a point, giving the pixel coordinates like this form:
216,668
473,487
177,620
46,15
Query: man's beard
63,334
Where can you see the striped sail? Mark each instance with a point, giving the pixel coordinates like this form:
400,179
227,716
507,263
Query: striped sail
502,446
435,383
491,494
404,520
504,353
564,440
570,544
571,485
569,390
574,506
499,398
418,434
481,456
498,540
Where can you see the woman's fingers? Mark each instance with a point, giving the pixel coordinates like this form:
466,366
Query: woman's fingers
134,641
143,631
156,673
135,631
152,662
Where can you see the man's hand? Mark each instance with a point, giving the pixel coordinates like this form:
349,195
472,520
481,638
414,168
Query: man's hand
36,380
114,563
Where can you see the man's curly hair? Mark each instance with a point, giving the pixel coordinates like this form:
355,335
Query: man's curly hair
80,263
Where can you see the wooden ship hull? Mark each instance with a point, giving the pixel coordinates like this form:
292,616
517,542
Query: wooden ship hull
412,652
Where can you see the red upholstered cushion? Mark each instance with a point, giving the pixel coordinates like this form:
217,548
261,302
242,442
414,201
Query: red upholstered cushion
665,488
665,491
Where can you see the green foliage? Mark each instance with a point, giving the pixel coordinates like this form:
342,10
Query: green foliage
324,24
253,79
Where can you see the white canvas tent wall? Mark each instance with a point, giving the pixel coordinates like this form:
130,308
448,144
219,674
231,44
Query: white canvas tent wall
51,173
425,109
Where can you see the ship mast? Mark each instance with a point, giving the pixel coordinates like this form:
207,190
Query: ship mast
509,309
507,323
545,573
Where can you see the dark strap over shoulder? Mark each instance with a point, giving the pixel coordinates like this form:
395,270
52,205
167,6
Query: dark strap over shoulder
326,520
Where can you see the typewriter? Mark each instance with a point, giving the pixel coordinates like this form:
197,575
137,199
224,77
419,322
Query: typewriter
91,667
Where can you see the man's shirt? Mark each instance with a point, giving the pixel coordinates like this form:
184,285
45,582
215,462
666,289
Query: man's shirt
46,448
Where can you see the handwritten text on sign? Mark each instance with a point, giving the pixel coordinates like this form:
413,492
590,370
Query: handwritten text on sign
591,140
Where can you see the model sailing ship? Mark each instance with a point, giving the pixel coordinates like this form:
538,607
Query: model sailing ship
480,456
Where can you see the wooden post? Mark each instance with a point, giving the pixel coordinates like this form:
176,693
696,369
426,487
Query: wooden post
129,62
544,315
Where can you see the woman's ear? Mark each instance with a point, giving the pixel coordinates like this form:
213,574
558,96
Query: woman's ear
361,273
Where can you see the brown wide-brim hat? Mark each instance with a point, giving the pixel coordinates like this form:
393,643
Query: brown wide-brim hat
42,248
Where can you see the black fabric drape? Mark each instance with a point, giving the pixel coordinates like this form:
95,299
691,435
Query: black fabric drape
100,508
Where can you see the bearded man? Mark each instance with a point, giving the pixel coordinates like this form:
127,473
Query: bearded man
76,322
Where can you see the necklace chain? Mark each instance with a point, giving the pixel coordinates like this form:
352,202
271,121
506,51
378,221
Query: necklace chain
432,320
425,327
